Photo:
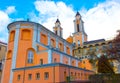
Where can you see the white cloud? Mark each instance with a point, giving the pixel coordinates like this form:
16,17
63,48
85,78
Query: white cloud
4,21
101,21
48,13
10,9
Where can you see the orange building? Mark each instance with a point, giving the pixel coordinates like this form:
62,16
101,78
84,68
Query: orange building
35,54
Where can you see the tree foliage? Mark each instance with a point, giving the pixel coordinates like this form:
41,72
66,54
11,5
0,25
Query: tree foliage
104,65
114,52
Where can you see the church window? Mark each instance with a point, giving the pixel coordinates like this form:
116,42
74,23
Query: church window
60,46
29,76
41,61
79,51
30,56
37,76
56,32
26,34
68,50
43,39
46,75
52,43
78,27
78,43
12,35
55,60
97,48
18,77
9,55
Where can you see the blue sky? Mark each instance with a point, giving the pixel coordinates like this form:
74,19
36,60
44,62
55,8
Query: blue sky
101,17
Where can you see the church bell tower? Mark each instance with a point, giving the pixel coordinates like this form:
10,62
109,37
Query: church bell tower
58,30
79,35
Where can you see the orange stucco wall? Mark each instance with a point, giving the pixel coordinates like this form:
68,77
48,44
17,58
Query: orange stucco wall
25,43
56,74
33,72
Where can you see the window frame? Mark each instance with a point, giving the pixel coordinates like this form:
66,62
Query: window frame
30,56
18,77
37,76
41,61
29,76
46,75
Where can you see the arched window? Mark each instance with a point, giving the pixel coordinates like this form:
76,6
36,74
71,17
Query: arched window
72,63
52,43
65,75
78,42
30,56
43,39
55,60
78,28
41,61
12,36
60,46
68,50
9,54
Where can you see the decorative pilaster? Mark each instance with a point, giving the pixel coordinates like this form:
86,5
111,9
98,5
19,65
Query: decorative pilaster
49,56
76,63
57,43
61,58
49,39
71,51
69,61
15,50
65,47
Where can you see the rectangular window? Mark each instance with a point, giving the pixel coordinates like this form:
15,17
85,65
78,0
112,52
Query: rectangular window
46,75
43,39
29,76
97,48
77,27
79,51
79,75
71,73
18,77
30,56
41,61
37,76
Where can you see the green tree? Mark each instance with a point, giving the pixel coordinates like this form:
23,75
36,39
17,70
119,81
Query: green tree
104,65
114,51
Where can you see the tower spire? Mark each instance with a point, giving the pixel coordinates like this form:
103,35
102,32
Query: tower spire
57,28
79,30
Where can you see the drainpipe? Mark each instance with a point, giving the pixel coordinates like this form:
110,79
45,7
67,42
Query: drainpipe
54,74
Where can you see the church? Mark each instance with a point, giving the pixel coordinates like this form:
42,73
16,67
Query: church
36,54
